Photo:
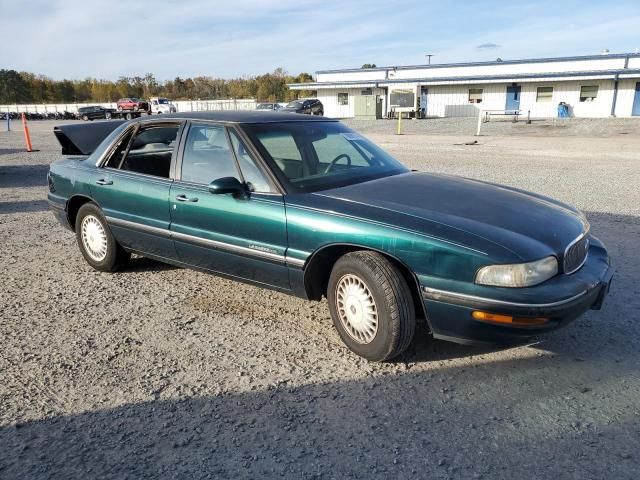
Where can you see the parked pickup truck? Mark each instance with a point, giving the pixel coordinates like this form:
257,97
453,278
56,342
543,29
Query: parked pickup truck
161,105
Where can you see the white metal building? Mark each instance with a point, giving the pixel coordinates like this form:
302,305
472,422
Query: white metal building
592,86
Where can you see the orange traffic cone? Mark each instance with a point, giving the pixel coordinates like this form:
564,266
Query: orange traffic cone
27,137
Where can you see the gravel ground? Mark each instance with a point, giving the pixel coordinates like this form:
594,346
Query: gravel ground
158,372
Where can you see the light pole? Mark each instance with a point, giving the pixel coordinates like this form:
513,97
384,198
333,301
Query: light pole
429,55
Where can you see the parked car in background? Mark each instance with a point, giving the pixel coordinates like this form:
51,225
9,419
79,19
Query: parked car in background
132,104
94,112
306,206
161,105
309,106
268,106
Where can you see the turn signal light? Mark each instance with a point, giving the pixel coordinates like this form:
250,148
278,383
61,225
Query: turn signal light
508,320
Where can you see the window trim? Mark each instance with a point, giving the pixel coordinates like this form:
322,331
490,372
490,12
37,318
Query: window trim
548,99
588,99
469,96
346,101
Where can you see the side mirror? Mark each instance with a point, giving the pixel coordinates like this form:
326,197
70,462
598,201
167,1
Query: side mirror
228,185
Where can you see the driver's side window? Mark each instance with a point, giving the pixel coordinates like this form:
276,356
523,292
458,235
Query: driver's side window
207,155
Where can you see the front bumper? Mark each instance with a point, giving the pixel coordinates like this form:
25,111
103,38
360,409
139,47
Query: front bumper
561,299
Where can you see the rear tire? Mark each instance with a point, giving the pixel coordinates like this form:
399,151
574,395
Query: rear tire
371,305
96,242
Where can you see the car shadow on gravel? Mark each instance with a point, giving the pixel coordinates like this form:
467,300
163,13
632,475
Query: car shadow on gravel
144,264
14,176
478,422
26,206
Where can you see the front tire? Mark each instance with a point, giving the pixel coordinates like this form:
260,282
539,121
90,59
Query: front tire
85,118
371,305
96,242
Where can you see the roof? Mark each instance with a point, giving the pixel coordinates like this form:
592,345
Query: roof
494,62
606,74
243,116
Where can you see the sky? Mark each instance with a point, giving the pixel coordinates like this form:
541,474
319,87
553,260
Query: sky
227,39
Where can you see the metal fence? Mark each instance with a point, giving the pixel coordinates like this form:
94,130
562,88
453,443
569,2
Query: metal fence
181,106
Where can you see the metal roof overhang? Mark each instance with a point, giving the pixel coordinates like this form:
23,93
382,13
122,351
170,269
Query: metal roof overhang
347,84
541,77
494,62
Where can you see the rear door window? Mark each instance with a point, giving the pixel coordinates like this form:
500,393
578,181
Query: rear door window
149,151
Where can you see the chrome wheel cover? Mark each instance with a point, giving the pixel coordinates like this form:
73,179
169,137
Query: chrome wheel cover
94,238
356,308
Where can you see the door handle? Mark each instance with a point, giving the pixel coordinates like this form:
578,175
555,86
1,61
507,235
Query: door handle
184,198
102,181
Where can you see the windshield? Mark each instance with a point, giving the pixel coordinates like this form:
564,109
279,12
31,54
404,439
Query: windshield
294,104
312,156
163,101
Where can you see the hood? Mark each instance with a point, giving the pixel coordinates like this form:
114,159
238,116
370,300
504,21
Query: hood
467,211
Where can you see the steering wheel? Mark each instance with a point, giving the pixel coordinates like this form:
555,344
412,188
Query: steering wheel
336,160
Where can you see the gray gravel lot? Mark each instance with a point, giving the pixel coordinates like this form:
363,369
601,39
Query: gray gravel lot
158,372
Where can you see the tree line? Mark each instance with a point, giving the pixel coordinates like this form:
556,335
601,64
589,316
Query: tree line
24,87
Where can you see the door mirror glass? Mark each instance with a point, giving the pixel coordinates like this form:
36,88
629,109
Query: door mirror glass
228,185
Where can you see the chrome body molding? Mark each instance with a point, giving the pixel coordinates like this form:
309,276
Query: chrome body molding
444,295
246,251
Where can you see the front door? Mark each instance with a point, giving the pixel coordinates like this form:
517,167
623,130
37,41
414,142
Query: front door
636,102
132,189
513,99
238,236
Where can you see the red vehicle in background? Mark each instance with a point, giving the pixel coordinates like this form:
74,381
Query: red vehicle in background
132,104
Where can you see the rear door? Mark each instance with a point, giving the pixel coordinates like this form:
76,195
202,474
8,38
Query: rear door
241,237
133,186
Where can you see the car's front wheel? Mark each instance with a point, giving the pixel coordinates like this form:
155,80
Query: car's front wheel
85,118
97,244
371,305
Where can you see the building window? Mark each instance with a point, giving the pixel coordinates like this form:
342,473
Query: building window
544,94
343,99
475,95
402,98
588,93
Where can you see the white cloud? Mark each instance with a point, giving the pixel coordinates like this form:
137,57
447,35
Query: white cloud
79,38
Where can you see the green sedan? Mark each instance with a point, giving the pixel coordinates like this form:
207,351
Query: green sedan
306,206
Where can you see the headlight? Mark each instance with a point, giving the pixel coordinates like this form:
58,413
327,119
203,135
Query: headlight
518,275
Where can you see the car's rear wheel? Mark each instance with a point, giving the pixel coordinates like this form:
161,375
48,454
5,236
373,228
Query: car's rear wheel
107,115
97,244
371,305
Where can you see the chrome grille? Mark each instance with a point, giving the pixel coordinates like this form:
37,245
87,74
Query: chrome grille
576,254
